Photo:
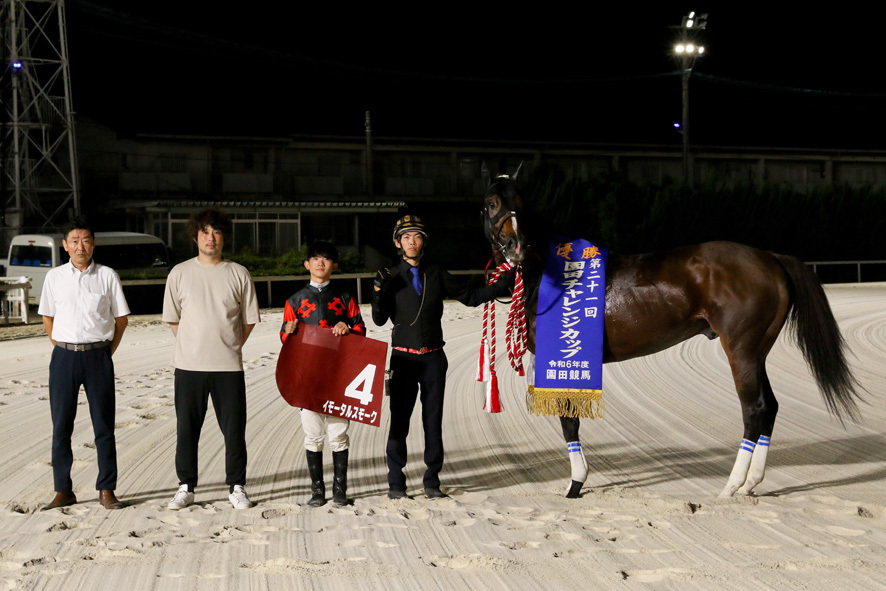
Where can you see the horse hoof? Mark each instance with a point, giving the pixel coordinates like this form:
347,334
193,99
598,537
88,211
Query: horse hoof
574,490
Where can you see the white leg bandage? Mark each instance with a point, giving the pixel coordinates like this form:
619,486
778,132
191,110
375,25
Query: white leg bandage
740,469
577,461
758,465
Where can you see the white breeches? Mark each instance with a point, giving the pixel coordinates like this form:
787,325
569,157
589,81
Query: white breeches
317,425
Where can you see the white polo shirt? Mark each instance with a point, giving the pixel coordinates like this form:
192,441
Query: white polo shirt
83,304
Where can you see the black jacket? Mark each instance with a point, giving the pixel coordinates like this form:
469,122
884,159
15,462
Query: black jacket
417,318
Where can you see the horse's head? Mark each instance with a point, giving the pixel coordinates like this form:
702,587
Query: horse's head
501,203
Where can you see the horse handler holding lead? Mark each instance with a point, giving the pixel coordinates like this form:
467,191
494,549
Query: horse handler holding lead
411,295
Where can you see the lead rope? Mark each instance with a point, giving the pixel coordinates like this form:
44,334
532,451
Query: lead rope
515,338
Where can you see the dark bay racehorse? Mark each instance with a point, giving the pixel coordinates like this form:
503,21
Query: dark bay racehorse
740,294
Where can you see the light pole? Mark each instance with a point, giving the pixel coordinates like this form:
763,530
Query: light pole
368,125
687,49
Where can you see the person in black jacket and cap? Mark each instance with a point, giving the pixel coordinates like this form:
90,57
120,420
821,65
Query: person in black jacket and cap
411,295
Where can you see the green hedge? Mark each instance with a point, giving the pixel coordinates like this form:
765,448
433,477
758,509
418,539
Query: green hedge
289,263
292,262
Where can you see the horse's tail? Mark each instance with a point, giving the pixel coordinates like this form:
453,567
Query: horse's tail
819,338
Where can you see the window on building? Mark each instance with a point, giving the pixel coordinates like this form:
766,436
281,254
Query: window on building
267,237
173,162
288,235
244,236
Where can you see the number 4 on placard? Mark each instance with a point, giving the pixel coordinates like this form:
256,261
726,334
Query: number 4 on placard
364,379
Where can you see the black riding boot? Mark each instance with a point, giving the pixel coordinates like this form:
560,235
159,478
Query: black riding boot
340,479
315,468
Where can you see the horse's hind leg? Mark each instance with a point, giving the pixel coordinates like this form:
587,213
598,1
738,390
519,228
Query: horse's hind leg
758,460
759,409
576,456
750,316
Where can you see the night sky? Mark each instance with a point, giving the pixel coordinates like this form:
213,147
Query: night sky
455,71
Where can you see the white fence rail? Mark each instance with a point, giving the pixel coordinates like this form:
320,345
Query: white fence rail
816,264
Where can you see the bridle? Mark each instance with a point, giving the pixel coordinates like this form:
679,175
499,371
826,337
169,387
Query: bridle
516,333
494,224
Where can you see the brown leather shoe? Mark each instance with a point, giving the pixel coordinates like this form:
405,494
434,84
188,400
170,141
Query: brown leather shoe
62,499
109,500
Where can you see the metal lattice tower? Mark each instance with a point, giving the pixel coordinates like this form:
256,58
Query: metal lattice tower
38,172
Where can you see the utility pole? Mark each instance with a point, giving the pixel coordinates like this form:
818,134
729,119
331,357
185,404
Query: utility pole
368,125
38,160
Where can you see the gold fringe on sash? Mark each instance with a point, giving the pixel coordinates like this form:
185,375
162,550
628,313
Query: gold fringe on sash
584,404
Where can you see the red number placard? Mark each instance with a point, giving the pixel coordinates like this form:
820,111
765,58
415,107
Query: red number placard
338,376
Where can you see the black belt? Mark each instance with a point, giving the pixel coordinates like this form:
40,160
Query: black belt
83,346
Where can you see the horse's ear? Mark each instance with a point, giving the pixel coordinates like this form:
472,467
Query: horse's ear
484,173
516,172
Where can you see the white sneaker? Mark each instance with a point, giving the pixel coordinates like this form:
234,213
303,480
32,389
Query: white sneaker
239,499
182,498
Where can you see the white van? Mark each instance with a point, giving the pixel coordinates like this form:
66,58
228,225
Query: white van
33,255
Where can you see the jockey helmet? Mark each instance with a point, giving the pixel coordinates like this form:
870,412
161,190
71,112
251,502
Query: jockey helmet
409,223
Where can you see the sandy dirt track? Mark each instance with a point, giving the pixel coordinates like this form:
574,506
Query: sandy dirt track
649,517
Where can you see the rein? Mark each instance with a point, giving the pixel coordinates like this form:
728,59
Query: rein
515,337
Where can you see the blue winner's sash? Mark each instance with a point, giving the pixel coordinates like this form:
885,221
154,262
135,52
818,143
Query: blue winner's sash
569,332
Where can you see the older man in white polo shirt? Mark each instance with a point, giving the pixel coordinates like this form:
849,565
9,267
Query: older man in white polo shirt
84,313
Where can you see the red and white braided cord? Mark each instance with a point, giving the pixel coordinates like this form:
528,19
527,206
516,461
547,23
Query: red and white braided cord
515,333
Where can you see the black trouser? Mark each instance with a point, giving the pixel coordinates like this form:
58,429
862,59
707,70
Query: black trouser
411,371
192,392
94,370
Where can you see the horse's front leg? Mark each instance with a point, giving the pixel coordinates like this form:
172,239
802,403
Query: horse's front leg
573,445
576,456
